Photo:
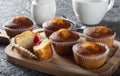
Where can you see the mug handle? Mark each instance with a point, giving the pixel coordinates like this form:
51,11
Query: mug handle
110,5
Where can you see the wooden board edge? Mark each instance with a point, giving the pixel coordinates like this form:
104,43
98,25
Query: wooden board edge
53,71
114,62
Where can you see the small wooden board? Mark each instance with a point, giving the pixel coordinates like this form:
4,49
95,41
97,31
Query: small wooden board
65,66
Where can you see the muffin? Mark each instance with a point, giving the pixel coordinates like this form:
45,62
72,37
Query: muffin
23,44
90,55
55,24
30,45
25,40
17,25
63,40
43,49
100,34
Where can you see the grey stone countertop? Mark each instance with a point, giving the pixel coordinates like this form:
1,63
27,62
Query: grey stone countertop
11,8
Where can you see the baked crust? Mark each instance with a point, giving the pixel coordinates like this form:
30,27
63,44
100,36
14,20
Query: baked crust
56,24
99,32
64,35
90,49
19,22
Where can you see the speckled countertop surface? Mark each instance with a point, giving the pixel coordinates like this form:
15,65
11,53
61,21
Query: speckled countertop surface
11,8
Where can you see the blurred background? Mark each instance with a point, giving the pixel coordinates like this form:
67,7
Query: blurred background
11,8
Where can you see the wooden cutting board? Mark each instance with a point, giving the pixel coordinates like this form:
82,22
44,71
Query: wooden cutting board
65,66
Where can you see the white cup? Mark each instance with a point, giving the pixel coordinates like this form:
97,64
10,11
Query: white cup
91,12
43,10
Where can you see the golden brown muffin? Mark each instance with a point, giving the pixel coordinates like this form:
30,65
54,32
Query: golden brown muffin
63,40
90,55
100,34
55,24
91,49
17,25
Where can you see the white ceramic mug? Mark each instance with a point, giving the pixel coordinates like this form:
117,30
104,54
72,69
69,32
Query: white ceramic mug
43,10
91,12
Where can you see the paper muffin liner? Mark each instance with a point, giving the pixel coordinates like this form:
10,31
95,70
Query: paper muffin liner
64,48
107,40
90,62
49,32
22,51
13,32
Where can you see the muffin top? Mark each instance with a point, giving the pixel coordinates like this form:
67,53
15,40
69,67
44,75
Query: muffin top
90,49
19,22
98,31
56,24
64,35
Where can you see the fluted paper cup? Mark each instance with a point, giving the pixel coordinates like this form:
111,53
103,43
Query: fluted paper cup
64,48
22,51
89,62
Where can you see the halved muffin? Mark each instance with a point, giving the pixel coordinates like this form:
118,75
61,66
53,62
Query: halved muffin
25,40
24,44
43,50
30,45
